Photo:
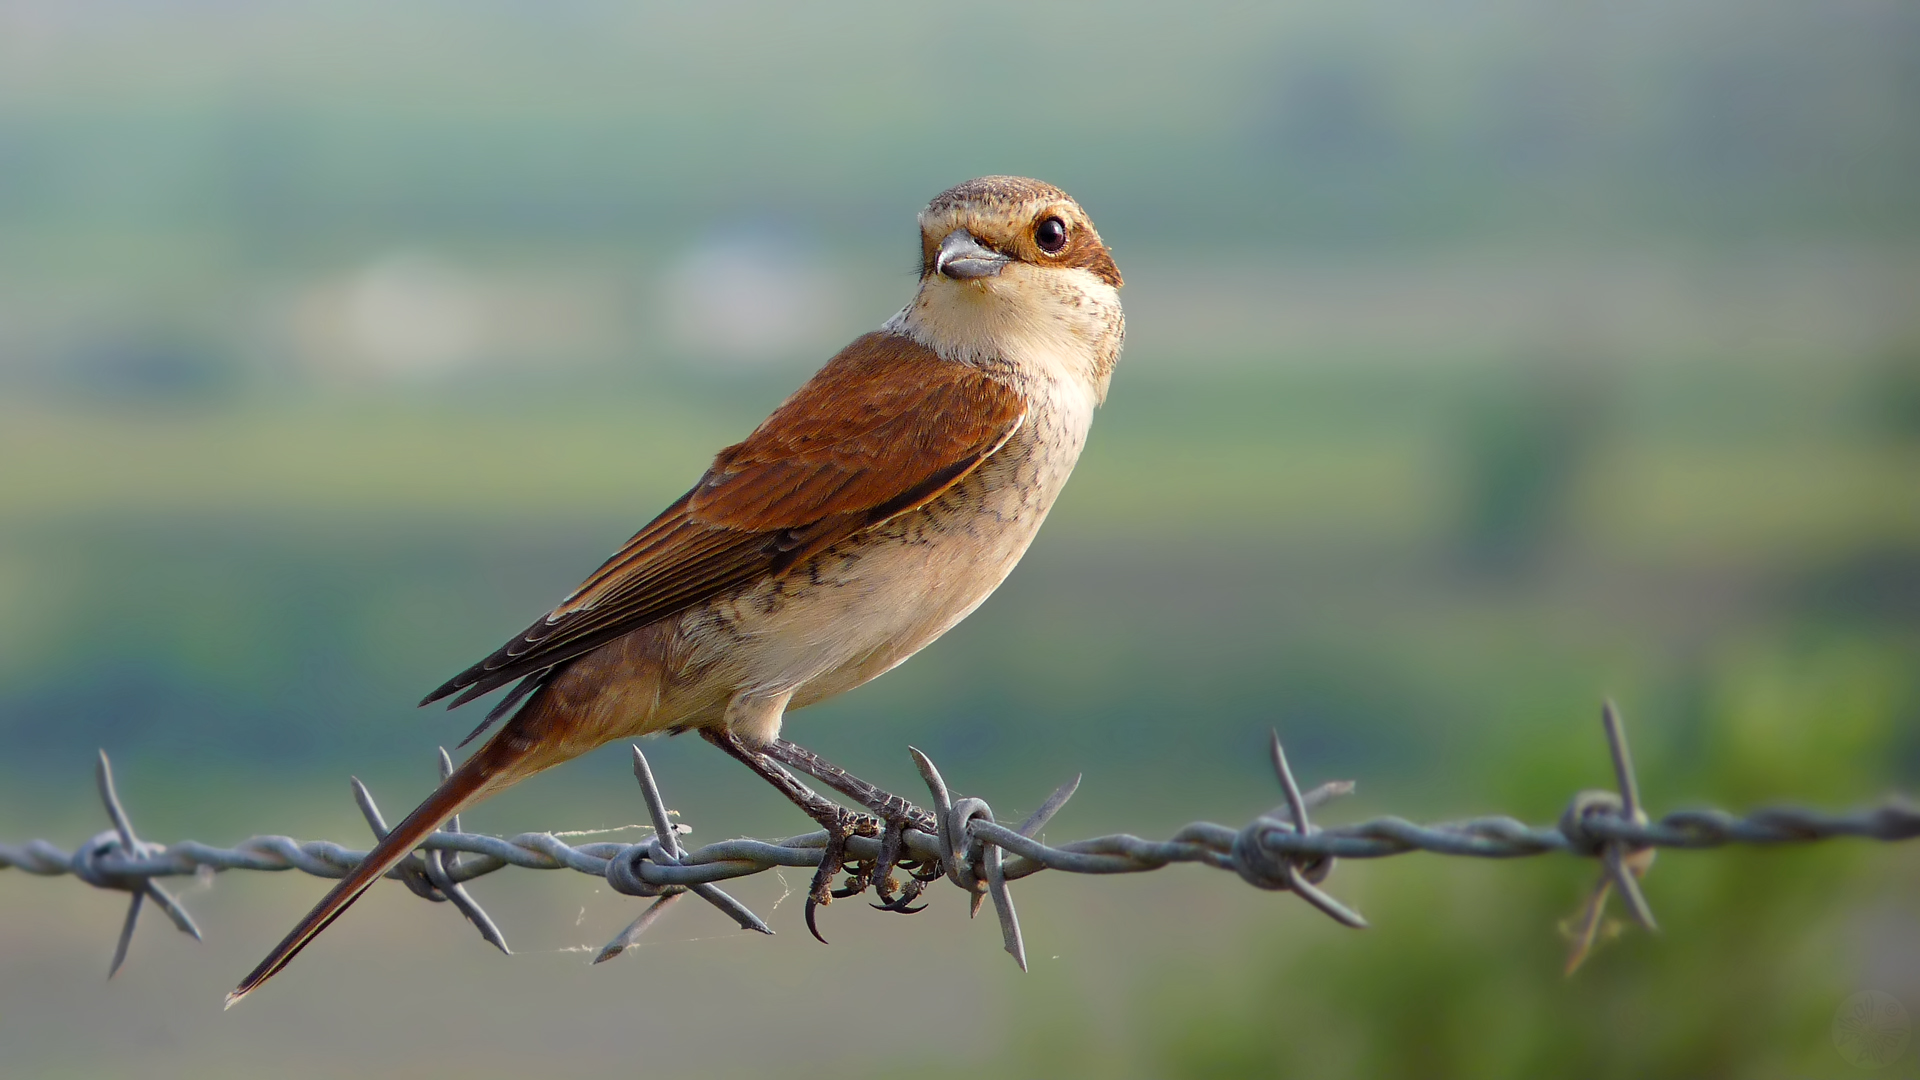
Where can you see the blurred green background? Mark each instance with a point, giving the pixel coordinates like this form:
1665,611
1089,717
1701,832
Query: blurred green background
1485,359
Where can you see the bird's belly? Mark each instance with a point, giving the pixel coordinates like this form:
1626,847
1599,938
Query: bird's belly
907,595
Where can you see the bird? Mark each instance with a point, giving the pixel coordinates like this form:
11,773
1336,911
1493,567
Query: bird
874,509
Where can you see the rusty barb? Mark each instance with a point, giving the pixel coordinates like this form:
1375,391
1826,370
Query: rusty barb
1280,850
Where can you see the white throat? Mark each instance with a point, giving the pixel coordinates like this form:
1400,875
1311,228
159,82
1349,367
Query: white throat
1057,324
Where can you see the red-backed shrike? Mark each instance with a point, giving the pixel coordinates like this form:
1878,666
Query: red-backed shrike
876,508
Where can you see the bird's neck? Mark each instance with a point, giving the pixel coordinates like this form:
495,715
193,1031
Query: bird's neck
1055,326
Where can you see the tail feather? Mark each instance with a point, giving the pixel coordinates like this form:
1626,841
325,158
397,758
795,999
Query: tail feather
477,777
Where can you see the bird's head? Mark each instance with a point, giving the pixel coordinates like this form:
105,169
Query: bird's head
1012,268
1009,226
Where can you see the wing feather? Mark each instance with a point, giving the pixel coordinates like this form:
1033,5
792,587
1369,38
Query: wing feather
884,428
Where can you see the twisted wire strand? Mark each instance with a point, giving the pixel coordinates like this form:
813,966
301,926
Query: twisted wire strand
1201,842
1280,850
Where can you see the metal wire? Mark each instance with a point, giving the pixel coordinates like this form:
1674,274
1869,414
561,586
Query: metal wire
975,852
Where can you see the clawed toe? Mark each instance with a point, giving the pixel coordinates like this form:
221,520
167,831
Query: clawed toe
903,902
894,896
877,873
840,825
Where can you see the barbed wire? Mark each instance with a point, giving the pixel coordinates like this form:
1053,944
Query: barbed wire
1279,850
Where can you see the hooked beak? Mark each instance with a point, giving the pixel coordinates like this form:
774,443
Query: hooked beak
962,258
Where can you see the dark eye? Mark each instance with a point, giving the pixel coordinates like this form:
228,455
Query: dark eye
1051,235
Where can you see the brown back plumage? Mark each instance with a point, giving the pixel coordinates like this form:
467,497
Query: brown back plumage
883,428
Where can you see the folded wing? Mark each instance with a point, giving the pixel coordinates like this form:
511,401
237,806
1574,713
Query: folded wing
884,428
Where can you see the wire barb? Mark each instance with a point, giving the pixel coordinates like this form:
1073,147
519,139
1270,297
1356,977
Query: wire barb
1622,863
1281,850
1296,873
87,864
625,874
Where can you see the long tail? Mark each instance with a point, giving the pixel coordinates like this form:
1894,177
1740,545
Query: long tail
492,767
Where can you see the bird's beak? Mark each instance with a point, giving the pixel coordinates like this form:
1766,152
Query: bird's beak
961,257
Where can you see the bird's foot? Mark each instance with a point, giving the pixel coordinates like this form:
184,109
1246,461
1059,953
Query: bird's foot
876,873
900,815
840,824
890,819
897,815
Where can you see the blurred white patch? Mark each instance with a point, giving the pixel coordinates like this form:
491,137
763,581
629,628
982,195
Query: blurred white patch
414,317
410,318
750,298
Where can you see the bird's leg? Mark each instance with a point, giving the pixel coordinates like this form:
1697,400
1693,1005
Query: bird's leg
839,822
897,813
884,804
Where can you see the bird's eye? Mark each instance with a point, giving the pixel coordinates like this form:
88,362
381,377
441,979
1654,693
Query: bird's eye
1051,235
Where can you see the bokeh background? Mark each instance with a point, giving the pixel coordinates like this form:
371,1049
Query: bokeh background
1486,359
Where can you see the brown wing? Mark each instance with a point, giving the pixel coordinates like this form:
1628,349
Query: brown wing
885,427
